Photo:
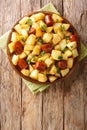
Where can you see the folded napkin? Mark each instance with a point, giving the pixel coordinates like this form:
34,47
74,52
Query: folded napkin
35,88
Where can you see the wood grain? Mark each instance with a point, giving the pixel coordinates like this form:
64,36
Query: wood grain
74,116
31,105
63,106
53,97
10,83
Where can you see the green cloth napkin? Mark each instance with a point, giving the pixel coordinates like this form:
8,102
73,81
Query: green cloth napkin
35,88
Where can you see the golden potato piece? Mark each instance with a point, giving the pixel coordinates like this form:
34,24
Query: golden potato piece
75,52
11,47
72,45
36,50
70,63
25,72
57,18
38,16
55,54
63,44
56,39
47,37
48,61
52,78
64,72
28,47
18,28
22,55
31,39
42,77
53,70
15,59
34,74
68,53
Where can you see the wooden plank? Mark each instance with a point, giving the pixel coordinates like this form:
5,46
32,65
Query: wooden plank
31,104
74,99
52,109
10,83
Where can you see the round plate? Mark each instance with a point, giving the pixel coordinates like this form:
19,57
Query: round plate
28,78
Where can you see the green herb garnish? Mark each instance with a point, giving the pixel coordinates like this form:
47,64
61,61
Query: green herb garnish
71,30
28,62
58,70
57,20
29,21
22,39
67,37
60,57
62,28
42,53
44,27
39,40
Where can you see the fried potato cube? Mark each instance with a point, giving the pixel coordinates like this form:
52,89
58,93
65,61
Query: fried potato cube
23,20
57,47
18,28
57,18
65,26
64,56
36,50
68,53
72,45
64,72
55,54
25,72
24,33
36,25
15,37
60,34
57,26
26,52
22,55
11,47
75,52
49,29
31,39
34,74
56,39
31,68
28,47
15,59
52,78
42,77
39,32
38,16
48,62
53,70
70,63
47,37
62,44
44,57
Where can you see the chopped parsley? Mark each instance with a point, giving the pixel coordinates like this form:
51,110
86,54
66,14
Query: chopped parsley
28,62
57,20
60,57
67,37
29,21
39,40
62,28
22,39
58,70
42,53
71,30
44,27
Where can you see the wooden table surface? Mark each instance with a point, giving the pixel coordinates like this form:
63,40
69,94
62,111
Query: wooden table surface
61,107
